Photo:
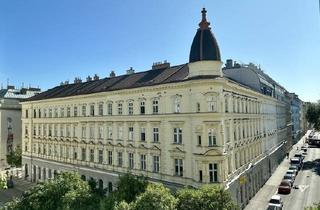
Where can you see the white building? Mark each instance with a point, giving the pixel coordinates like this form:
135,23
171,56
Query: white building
180,125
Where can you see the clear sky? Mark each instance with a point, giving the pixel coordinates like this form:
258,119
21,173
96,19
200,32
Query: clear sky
44,42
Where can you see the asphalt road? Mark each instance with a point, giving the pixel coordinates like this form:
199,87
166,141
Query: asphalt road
307,191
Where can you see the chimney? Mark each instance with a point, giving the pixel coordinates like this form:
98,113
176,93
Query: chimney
89,79
130,71
77,80
66,82
112,74
160,65
229,64
95,77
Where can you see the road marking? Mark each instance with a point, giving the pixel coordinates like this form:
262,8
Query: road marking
303,187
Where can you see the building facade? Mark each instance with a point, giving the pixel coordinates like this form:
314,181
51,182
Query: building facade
10,119
183,125
296,117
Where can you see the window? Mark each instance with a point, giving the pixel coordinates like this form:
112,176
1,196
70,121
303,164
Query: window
177,135
101,109
75,111
50,112
211,104
83,131
75,153
110,132
84,110
91,132
120,132
143,134
130,108
110,157
92,110
109,108
50,130
120,159
100,132
67,152
198,107
177,105
68,111
142,107
156,164
91,155
34,130
34,113
211,138
100,156
68,131
178,167
131,160
143,162
27,113
44,130
213,172
199,140
39,111
119,108
62,112
26,130
155,106
226,105
61,130
44,113
155,134
83,154
130,133
200,176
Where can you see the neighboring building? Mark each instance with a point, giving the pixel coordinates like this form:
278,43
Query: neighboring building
296,109
10,119
183,125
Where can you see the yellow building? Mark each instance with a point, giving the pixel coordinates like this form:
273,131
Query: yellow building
180,125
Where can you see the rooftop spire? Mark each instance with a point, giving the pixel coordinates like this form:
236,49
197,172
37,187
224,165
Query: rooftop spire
204,24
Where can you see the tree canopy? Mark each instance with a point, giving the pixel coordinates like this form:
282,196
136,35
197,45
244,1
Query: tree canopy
313,115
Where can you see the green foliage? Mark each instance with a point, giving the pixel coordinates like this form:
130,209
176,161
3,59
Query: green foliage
313,115
67,191
314,207
128,188
156,197
15,157
3,182
208,197
122,206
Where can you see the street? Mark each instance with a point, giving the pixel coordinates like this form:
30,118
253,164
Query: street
306,186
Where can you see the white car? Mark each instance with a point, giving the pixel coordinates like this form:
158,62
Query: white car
276,201
292,172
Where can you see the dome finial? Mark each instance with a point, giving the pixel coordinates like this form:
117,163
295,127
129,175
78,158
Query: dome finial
204,24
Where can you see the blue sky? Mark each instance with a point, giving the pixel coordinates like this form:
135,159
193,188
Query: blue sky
44,42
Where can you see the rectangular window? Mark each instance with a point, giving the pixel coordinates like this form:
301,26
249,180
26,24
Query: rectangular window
155,106
143,166
143,134
83,132
119,108
110,157
110,132
68,131
75,111
83,154
142,107
68,112
177,135
211,103
156,164
177,104
92,110
62,112
55,112
75,153
26,130
155,134
131,160
84,110
67,152
109,108
130,133
213,172
199,140
50,112
100,132
200,176
61,130
198,107
130,108
178,167
27,113
50,130
101,109
91,155
100,156
120,159
91,132
211,138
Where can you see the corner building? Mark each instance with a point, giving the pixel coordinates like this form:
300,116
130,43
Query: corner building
179,125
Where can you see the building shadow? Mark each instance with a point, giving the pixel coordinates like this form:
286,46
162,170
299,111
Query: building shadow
314,166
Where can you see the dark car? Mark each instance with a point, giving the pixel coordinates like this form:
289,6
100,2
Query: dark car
284,187
299,155
296,162
289,178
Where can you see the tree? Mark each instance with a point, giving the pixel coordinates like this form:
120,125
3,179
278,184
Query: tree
15,157
3,181
67,191
156,197
313,115
208,197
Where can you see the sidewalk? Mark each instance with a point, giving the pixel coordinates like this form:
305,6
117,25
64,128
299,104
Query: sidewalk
270,188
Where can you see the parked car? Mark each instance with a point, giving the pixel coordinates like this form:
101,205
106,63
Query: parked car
291,172
299,155
304,148
284,187
289,178
274,208
296,162
276,201
295,168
